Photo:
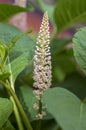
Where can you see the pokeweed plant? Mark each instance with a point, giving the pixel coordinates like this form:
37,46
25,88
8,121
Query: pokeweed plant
42,73
54,109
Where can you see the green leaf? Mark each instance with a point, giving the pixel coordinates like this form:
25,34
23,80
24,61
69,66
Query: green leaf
68,13
28,99
76,84
17,65
5,110
66,108
23,45
7,126
79,48
8,10
22,53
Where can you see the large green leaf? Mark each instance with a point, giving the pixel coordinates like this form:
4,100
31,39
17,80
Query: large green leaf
69,12
8,10
76,84
5,110
79,48
67,109
28,99
22,53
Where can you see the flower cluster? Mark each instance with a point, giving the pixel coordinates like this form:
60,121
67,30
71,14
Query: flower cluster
42,60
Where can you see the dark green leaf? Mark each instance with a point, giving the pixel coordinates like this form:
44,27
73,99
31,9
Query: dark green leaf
68,13
46,125
8,10
79,48
67,109
5,110
76,84
7,126
3,92
4,76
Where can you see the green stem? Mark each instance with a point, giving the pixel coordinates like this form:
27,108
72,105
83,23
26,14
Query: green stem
16,113
24,117
38,124
40,112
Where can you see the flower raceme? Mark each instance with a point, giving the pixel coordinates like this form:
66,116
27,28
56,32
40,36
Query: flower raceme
42,62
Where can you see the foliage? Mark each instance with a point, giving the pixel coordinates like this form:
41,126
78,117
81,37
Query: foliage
79,45
67,109
68,13
6,108
66,105
10,10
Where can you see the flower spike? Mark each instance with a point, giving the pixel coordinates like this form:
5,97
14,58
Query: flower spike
42,60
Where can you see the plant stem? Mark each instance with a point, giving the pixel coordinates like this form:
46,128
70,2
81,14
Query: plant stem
40,112
24,117
16,113
38,124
